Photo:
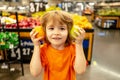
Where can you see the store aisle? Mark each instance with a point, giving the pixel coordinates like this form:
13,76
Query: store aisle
106,56
105,63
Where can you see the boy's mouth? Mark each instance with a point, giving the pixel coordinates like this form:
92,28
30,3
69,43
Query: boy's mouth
56,38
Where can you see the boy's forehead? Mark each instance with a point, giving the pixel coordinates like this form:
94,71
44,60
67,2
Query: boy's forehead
55,23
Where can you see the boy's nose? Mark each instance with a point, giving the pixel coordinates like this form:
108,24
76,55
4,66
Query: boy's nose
56,31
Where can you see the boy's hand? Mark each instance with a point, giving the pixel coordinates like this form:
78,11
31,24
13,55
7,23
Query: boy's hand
36,41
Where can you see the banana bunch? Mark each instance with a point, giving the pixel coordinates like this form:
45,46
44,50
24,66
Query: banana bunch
7,20
81,21
53,8
5,13
38,14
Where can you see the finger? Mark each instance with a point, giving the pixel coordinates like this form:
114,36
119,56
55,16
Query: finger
81,30
74,36
32,32
35,33
77,33
40,38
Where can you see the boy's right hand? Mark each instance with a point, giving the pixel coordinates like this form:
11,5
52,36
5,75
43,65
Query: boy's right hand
35,40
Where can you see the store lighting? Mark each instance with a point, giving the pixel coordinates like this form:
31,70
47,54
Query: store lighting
106,70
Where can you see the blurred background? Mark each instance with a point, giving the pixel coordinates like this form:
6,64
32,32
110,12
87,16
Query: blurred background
99,18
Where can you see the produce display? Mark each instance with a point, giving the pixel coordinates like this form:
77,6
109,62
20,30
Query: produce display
31,22
109,12
5,13
81,21
8,20
23,22
53,8
20,17
39,14
87,11
8,40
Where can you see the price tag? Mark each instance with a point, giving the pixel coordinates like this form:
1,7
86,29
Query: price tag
36,6
67,6
26,50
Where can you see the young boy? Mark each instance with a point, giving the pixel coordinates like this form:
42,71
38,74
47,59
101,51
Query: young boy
59,56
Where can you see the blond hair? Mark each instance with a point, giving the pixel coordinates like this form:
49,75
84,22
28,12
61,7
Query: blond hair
60,16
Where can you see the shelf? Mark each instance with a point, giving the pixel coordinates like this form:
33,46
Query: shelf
14,11
28,30
19,45
114,4
20,30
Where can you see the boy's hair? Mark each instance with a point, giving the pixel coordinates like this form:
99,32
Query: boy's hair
60,16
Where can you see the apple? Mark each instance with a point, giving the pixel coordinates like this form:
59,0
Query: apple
73,30
40,31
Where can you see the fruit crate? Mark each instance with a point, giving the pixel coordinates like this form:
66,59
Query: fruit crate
108,22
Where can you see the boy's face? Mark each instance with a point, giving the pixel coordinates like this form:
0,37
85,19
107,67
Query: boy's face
56,33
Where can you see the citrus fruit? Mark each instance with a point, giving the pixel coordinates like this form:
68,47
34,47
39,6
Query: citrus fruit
73,30
40,31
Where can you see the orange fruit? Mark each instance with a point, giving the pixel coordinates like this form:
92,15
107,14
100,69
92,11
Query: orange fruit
40,31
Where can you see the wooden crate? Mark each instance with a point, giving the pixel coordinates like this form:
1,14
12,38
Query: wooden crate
104,18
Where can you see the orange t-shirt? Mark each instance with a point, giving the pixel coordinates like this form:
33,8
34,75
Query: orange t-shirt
58,64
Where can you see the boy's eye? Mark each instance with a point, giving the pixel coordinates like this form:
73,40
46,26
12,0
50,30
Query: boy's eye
51,28
62,28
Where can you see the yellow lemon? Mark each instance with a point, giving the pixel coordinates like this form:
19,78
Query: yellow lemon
73,30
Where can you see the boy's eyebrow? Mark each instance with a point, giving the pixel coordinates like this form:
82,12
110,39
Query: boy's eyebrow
63,26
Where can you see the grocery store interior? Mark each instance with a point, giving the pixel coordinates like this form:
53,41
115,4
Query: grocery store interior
99,18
